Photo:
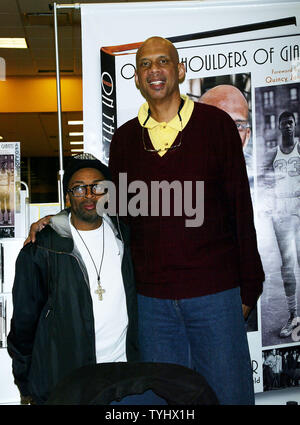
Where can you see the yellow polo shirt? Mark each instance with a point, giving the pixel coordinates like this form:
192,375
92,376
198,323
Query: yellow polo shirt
163,134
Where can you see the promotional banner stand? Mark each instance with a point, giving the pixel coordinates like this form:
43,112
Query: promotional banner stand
27,208
58,91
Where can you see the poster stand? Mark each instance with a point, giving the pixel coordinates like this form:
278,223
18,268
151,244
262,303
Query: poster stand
58,93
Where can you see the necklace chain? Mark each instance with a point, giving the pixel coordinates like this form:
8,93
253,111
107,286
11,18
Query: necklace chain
100,290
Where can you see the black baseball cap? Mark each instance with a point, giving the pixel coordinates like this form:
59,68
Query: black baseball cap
83,160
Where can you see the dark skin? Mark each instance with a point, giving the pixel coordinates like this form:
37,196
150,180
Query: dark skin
83,210
158,73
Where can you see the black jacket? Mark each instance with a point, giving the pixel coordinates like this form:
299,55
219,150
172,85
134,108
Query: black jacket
52,328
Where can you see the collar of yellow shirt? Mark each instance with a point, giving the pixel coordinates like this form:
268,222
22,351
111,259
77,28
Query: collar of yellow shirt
163,134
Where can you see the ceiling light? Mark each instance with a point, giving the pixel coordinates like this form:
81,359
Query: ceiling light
77,143
76,150
76,133
1,138
75,122
13,43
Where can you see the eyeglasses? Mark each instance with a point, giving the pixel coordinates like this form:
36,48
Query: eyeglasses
170,147
81,191
242,125
162,149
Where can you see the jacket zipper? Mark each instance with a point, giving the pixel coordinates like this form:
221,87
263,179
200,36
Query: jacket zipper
72,255
119,228
81,268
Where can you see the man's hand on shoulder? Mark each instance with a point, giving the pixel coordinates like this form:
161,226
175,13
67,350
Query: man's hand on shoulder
37,227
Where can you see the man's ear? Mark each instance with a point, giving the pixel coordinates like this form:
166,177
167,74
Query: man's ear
136,80
181,72
67,203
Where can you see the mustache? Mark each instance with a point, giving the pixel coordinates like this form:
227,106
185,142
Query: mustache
88,202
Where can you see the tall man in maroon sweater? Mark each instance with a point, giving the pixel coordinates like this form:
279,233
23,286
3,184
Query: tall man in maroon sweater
195,284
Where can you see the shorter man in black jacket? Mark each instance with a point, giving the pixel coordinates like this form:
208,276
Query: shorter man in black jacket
74,291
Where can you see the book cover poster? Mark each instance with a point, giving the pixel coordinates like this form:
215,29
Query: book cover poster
259,62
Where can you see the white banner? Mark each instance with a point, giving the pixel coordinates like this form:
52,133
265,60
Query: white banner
251,45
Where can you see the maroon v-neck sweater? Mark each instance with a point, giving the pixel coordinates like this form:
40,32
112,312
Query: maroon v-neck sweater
175,261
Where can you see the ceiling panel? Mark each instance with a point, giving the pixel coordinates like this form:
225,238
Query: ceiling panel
11,31
10,20
12,54
40,32
43,43
8,7
31,6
